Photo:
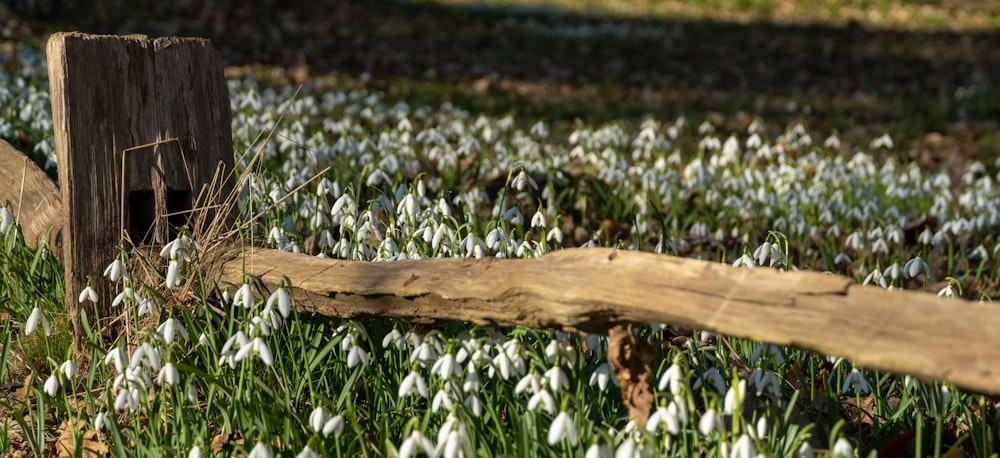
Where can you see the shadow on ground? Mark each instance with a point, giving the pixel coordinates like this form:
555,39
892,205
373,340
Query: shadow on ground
939,90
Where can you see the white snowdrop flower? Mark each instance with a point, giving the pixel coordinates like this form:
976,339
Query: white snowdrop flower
101,422
334,426
598,451
394,338
926,237
893,272
173,274
945,395
663,417
472,383
766,382
442,399
948,291
318,418
474,405
168,375
539,130
885,141
832,142
842,449
735,397
88,294
554,234
557,378
259,451
191,392
916,267
538,220
842,258
34,318
6,219
744,261
522,181
454,444
531,383
562,428
712,377
126,400
125,295
672,378
146,307
710,421
244,296
743,448
52,385
630,448
542,399
413,384
307,452
171,328
601,376
502,364
446,367
876,277
855,382
805,451
116,270
280,297
770,350
761,429
979,253
415,444
116,358
68,368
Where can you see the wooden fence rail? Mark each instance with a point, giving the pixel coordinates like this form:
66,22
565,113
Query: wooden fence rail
585,290
591,290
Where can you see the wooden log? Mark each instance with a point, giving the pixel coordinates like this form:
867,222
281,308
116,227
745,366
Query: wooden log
33,196
590,290
141,125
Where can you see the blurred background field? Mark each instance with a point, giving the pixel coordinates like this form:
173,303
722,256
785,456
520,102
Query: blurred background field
924,70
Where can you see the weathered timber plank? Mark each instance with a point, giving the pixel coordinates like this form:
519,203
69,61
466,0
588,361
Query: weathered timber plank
140,125
589,290
33,196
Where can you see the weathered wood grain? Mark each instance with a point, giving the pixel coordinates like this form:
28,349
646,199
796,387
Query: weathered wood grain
33,196
589,290
140,125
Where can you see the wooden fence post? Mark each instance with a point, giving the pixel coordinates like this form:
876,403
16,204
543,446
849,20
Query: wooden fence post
141,125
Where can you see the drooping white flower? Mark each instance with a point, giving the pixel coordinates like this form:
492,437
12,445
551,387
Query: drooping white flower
562,428
259,451
307,452
34,318
52,385
318,418
415,444
168,375
280,297
413,384
115,271
709,422
544,400
842,449
88,294
68,368
855,382
744,448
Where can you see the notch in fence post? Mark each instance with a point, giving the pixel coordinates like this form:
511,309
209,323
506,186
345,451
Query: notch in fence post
141,127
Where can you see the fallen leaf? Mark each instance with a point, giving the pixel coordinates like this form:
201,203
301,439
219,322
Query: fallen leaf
91,444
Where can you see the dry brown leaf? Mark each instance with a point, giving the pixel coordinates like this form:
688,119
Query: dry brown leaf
630,357
92,445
